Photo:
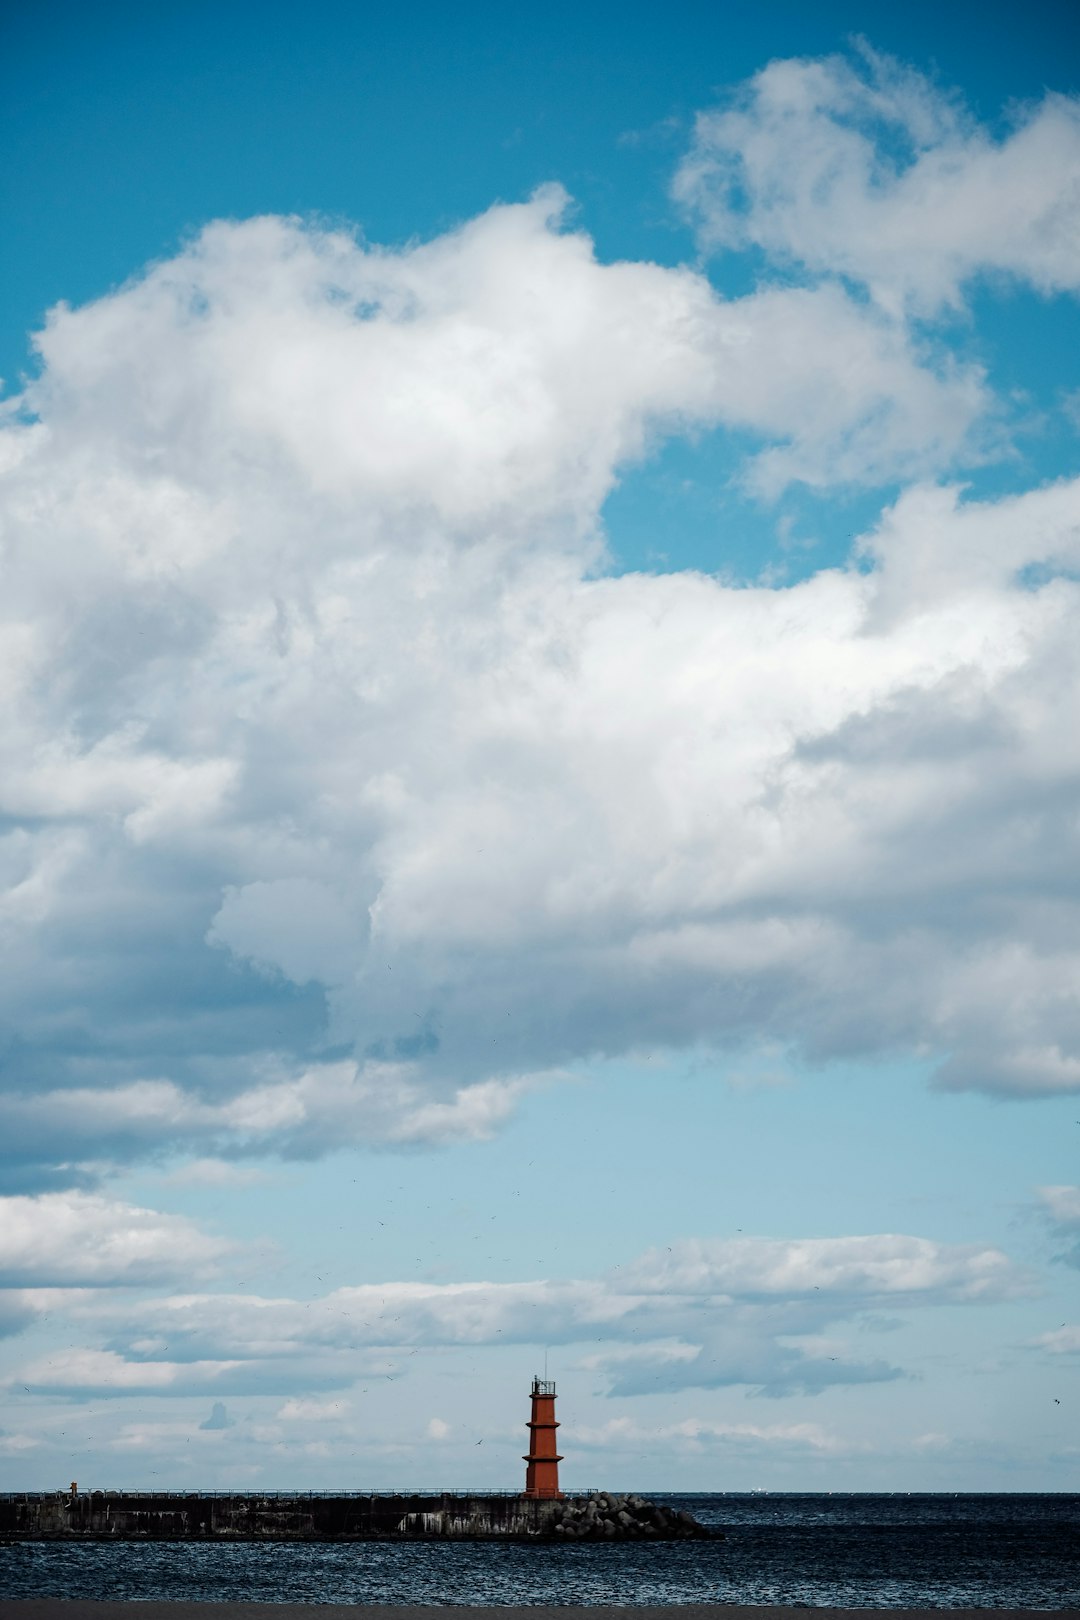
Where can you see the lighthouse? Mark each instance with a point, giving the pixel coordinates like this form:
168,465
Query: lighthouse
542,1474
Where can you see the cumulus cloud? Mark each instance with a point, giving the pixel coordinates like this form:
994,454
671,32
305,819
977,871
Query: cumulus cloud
82,1238
864,168
708,1315
346,798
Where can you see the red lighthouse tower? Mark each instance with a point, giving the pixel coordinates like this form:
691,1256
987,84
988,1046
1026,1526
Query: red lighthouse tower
542,1474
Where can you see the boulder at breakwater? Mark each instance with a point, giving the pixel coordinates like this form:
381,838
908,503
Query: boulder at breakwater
332,1516
606,1517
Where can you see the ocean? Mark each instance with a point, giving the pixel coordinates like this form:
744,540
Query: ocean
844,1551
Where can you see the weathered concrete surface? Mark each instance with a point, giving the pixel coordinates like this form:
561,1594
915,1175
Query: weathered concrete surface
170,1516
130,1515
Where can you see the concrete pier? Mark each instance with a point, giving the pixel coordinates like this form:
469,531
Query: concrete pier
317,1516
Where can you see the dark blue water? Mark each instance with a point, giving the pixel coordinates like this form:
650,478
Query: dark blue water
846,1551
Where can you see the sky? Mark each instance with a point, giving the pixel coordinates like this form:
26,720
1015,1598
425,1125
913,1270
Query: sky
540,752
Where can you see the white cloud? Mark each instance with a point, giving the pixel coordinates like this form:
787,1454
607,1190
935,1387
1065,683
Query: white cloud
882,1265
491,381
1062,1204
1062,1341
104,1372
297,1410
705,1315
82,1238
866,169
87,1371
346,800
21,1308
787,754
326,1105
696,1434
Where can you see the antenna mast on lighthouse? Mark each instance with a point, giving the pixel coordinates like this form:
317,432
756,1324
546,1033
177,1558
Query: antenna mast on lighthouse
542,1474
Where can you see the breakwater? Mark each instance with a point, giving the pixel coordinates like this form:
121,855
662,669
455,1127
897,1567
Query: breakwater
323,1516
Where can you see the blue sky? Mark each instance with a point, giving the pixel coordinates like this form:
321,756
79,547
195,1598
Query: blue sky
540,770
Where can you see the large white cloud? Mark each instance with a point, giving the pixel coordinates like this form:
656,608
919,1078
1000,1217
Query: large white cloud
345,797
867,169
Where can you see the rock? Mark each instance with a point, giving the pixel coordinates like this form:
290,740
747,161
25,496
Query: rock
607,1516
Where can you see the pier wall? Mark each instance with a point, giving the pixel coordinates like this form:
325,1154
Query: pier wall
324,1516
173,1516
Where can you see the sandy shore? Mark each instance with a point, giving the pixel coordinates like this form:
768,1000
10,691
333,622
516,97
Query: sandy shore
74,1609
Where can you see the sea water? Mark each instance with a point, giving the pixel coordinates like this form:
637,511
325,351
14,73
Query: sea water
846,1551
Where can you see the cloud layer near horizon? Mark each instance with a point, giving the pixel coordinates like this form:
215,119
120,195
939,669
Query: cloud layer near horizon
705,1313
346,797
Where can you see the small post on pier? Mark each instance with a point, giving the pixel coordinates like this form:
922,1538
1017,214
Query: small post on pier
542,1473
